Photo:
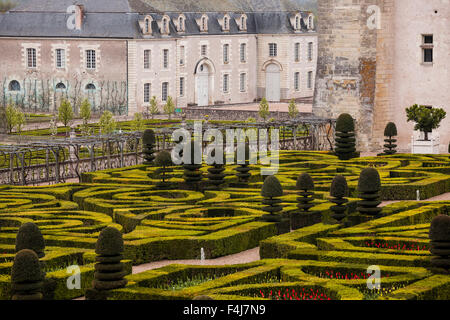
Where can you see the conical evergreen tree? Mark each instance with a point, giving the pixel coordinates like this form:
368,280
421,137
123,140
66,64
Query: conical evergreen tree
345,137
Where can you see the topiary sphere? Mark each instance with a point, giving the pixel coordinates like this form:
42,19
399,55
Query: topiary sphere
26,267
305,182
110,242
339,187
345,123
369,180
440,228
390,130
30,237
271,187
149,137
163,159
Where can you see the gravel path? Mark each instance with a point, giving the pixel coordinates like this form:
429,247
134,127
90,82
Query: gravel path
442,197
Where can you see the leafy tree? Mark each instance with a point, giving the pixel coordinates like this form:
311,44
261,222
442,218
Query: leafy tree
264,109
65,112
293,111
20,120
107,123
10,114
153,109
138,122
85,113
169,107
426,119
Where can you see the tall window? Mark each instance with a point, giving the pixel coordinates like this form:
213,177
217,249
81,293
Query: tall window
310,51
165,26
182,54
226,82
243,51
204,24
31,58
164,91
147,92
204,50
242,82
297,52
225,23
60,58
273,49
147,25
297,81
310,74
427,48
297,23
90,59
226,56
180,24
182,87
243,23
147,55
310,22
166,58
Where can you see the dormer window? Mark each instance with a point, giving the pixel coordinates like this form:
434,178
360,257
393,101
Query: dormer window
297,23
165,25
310,22
203,23
147,27
181,23
242,22
226,23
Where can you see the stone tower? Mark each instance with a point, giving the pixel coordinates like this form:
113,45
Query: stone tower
353,74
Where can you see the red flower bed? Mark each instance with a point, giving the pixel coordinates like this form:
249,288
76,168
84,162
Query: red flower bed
292,294
409,247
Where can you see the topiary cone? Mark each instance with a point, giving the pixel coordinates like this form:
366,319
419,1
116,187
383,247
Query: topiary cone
30,237
26,276
345,137
109,271
389,132
163,160
369,186
192,174
440,241
271,191
149,141
243,170
338,190
304,184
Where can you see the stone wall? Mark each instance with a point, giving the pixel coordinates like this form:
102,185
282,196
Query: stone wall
346,70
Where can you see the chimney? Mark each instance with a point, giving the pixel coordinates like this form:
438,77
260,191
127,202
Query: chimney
79,15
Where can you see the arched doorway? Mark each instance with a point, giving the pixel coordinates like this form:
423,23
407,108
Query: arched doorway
273,82
202,84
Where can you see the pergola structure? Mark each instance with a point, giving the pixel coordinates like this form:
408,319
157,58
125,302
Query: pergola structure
46,160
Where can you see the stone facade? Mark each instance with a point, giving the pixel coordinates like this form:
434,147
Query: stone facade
370,65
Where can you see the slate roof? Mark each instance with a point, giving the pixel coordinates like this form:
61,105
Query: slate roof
119,18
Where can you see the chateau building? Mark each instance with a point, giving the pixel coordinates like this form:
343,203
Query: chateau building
121,53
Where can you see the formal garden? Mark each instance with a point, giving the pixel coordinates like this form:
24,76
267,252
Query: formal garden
321,223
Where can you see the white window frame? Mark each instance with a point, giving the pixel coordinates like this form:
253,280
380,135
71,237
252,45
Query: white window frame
273,49
226,53
60,58
242,82
182,55
427,46
182,86
297,81
165,53
164,91
297,52
226,83
147,92
91,59
243,52
147,59
309,80
310,51
31,58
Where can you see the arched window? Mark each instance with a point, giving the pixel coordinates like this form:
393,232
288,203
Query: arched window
243,23
164,25
14,85
310,22
181,24
225,23
147,25
204,23
60,86
90,86
297,23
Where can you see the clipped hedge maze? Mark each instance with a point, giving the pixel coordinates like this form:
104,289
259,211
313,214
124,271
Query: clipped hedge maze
174,224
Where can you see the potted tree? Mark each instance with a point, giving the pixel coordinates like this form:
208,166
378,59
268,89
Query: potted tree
426,120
